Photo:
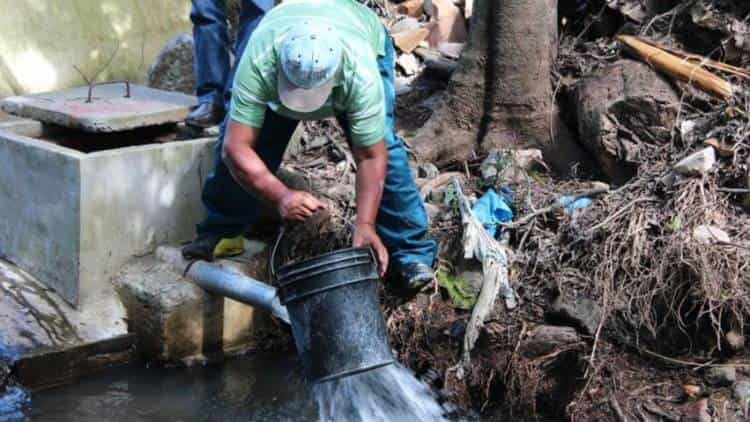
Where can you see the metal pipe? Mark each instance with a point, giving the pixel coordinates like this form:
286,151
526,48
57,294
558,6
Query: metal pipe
236,286
225,282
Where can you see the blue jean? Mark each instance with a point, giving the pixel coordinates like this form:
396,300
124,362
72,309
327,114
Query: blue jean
401,221
213,73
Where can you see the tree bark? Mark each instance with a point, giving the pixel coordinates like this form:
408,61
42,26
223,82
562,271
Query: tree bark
501,95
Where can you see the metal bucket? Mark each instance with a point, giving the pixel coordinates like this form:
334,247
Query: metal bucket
335,314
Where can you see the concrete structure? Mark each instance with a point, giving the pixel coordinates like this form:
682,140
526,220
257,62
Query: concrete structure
175,321
72,219
114,107
43,39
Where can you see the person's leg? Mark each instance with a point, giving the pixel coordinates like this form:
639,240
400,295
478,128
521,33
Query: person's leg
211,49
251,14
231,208
402,220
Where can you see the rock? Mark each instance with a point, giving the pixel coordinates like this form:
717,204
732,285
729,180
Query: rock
618,109
710,234
452,50
403,85
545,339
691,391
428,171
490,167
724,150
581,313
741,392
406,24
408,63
697,412
173,68
432,212
721,376
735,340
697,163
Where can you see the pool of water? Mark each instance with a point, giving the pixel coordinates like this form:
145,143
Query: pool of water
243,389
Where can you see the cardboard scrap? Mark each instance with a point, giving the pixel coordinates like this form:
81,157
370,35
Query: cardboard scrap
408,40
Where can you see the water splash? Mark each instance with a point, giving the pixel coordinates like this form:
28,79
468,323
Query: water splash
390,393
13,401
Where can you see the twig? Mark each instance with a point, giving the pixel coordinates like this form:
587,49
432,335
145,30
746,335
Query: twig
599,190
617,409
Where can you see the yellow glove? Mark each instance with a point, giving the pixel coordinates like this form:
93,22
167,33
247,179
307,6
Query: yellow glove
229,247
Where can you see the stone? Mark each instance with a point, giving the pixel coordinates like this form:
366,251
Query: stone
618,109
545,339
735,340
697,412
109,111
428,171
432,212
710,234
697,163
403,85
178,322
410,39
490,167
721,376
408,63
582,313
173,68
406,24
452,50
741,392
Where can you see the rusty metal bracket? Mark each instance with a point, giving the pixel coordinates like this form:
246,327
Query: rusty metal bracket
89,98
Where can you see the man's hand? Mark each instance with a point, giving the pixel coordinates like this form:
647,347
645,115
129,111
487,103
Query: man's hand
297,205
364,235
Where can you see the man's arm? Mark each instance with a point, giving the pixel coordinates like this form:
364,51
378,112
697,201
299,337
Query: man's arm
251,173
371,165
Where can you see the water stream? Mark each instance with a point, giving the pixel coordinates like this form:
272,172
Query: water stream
257,388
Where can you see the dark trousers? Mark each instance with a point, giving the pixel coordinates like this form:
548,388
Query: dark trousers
401,220
213,73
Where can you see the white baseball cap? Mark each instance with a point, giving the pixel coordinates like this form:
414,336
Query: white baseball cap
310,57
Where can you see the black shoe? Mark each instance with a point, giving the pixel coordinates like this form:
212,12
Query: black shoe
205,115
201,248
412,277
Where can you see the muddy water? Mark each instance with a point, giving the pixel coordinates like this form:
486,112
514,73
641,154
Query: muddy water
244,389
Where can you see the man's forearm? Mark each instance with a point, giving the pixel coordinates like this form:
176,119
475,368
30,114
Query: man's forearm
371,166
246,166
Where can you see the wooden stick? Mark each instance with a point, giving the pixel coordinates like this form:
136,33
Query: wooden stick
675,67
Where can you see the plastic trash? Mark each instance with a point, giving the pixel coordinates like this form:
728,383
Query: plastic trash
493,208
571,203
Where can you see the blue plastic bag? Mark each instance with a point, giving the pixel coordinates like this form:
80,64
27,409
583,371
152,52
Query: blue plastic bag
493,208
570,205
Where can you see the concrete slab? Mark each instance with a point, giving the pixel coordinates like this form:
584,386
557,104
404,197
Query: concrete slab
72,219
33,317
109,110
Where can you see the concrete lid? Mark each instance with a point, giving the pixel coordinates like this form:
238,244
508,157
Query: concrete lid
109,110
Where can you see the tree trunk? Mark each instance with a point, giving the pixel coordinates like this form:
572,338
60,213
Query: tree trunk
501,96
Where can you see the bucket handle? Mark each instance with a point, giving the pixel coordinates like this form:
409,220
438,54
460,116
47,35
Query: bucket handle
282,231
272,257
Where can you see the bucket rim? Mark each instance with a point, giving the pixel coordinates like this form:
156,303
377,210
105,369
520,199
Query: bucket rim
287,270
354,371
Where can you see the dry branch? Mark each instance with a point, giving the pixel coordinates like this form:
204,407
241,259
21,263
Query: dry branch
677,67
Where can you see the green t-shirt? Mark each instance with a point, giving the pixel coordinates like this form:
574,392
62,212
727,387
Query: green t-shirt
358,90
